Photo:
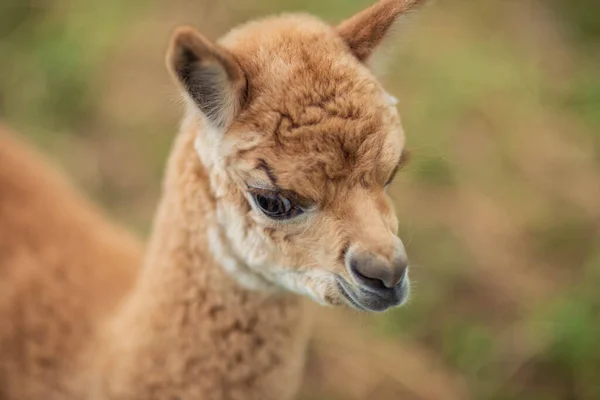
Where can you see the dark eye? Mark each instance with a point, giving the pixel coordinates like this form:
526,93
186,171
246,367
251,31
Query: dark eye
275,205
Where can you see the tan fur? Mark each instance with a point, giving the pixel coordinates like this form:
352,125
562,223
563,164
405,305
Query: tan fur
366,30
63,270
323,124
214,313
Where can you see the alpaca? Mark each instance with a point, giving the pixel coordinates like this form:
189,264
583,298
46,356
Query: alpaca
64,267
274,193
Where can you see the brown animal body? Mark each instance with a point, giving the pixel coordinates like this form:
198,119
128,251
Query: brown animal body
275,188
64,268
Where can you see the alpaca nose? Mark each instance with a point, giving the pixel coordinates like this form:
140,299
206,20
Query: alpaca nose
375,273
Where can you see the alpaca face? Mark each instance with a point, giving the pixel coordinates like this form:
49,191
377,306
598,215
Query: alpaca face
301,142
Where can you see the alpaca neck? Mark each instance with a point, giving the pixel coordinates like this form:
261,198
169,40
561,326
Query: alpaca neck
189,330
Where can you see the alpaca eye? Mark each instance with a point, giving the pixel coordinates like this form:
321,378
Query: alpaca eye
275,206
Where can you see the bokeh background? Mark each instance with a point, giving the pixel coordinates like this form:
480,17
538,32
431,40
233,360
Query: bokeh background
499,207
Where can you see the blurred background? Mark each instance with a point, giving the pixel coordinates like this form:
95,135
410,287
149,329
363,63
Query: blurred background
499,207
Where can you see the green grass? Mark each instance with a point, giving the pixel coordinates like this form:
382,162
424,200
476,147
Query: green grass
51,60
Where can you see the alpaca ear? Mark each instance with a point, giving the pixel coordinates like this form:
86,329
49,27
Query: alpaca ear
209,75
365,31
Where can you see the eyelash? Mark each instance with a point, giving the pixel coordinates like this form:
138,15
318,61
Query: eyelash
284,208
392,175
404,158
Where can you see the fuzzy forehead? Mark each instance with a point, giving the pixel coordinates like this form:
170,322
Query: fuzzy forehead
314,112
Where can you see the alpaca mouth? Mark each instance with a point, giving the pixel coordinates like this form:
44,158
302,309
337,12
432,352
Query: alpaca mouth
353,303
364,300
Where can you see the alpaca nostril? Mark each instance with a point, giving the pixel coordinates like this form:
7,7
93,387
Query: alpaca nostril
377,274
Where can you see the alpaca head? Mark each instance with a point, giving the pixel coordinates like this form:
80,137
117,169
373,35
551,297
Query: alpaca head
300,142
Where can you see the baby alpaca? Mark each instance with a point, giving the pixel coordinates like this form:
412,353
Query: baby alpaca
64,269
276,187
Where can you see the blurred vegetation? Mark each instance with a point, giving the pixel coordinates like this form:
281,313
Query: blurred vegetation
500,207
